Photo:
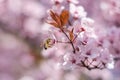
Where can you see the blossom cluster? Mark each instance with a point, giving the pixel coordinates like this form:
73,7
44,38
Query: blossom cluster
73,36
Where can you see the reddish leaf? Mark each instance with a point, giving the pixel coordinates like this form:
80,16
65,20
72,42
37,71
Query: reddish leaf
64,16
59,20
55,17
54,24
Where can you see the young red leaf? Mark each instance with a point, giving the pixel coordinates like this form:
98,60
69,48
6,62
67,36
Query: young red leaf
64,16
54,24
55,17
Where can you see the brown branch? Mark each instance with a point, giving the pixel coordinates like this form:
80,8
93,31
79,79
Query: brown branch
69,40
94,67
61,42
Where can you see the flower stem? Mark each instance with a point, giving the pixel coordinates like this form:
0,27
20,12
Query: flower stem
69,40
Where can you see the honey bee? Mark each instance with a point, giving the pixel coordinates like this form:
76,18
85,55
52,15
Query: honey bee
48,43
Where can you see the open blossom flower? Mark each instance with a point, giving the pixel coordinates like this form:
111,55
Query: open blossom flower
87,22
77,11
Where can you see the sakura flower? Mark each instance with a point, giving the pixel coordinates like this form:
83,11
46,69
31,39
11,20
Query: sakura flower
71,60
87,22
77,11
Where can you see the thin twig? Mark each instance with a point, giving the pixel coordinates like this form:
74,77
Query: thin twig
76,36
69,40
61,42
